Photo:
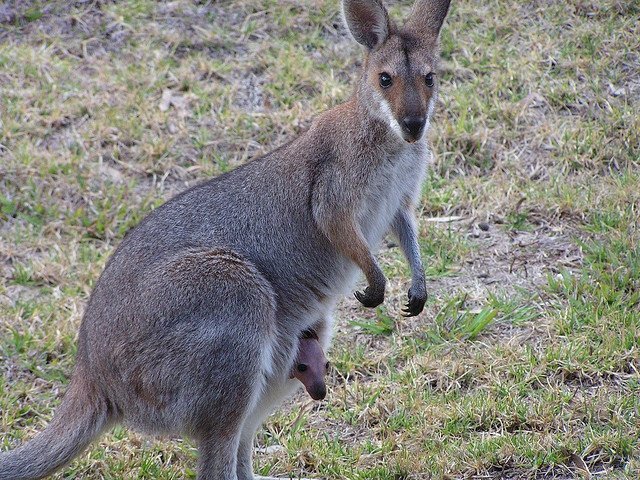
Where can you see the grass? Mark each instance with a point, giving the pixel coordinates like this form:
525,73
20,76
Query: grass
525,363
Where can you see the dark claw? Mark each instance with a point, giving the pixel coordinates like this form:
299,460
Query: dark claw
368,298
415,305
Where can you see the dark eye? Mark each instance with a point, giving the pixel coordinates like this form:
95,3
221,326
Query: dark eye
428,79
327,365
385,80
302,367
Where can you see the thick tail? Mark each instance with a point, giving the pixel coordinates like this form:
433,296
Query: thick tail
81,417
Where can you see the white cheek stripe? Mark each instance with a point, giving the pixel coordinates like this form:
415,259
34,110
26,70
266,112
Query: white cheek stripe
430,109
387,114
391,120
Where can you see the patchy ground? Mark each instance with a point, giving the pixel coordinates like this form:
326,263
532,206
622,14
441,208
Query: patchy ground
525,362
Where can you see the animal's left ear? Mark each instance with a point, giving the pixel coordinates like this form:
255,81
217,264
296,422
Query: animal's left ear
427,16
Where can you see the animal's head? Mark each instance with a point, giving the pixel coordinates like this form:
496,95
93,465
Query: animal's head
310,368
400,81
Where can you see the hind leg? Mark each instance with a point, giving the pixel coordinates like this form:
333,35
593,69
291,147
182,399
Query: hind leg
220,440
253,422
218,457
220,429
201,369
275,393
269,400
277,387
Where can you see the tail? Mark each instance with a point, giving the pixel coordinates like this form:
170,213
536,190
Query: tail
82,416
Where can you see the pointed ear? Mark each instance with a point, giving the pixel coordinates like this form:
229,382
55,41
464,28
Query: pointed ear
367,20
427,17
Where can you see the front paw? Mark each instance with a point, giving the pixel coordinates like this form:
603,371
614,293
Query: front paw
417,298
370,297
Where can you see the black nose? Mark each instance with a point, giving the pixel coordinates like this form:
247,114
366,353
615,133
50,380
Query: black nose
413,125
318,391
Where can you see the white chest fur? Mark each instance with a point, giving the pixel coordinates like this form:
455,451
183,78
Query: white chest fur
396,181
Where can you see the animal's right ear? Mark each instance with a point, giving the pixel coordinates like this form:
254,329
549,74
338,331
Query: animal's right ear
367,20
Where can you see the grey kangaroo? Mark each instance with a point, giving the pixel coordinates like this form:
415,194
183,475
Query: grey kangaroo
194,325
311,365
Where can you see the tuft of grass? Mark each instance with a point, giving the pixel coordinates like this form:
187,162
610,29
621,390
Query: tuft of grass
453,322
383,324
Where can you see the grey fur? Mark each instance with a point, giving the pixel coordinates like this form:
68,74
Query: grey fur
193,326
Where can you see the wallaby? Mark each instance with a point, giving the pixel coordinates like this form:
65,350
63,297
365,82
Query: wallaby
194,325
311,365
